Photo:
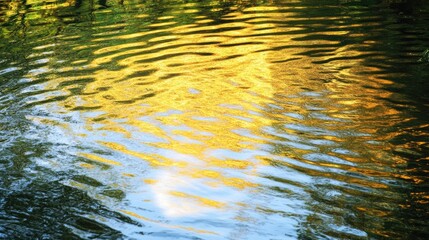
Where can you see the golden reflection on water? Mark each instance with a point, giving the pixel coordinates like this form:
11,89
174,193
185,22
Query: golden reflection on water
190,113
201,101
200,92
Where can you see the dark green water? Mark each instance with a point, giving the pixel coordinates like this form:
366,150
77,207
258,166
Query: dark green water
204,119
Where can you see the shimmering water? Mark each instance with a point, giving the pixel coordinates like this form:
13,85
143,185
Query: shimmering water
212,119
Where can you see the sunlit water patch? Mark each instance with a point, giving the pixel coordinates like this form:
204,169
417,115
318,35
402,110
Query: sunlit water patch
213,120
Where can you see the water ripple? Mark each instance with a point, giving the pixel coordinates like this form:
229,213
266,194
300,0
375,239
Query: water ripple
212,120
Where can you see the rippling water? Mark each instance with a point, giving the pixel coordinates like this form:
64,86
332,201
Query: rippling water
214,119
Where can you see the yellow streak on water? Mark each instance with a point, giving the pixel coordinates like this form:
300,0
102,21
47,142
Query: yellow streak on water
153,159
200,200
99,159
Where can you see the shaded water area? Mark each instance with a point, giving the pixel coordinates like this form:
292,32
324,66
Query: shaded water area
212,119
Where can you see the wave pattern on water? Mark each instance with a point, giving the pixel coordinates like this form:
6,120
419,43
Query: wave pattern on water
212,120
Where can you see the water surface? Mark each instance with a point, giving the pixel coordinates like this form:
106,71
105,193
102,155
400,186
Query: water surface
130,119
